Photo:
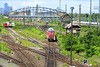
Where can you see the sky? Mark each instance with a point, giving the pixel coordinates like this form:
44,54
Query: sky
16,4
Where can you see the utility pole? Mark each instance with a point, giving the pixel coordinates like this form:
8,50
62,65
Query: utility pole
26,11
8,13
16,14
71,33
24,16
0,19
90,12
94,15
79,15
66,8
99,14
59,15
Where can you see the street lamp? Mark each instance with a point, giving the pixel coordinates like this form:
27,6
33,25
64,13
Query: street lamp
90,12
59,14
71,33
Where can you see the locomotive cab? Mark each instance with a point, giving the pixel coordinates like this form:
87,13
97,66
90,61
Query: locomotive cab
51,35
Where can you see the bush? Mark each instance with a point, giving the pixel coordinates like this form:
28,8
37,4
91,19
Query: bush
0,47
78,34
63,51
81,59
9,34
0,29
3,46
5,49
9,51
66,41
38,57
68,54
99,55
73,56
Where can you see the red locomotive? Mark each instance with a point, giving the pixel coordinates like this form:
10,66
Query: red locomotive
51,35
8,24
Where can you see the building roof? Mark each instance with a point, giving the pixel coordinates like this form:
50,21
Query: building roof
74,25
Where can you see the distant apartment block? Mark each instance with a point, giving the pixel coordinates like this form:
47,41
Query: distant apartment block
10,8
1,11
7,9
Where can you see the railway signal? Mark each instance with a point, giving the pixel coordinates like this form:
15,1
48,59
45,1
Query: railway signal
71,33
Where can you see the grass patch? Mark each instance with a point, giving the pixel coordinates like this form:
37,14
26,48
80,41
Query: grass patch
38,57
3,30
92,60
32,32
26,43
3,47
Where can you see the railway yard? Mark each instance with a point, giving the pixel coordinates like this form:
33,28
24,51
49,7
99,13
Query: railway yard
25,56
42,54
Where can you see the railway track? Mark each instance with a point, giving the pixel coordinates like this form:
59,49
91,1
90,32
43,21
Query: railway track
62,58
35,41
28,49
21,53
51,62
2,55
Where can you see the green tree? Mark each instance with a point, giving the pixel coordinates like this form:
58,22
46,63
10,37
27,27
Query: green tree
66,41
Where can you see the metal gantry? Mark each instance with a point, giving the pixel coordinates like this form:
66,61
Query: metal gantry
39,11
